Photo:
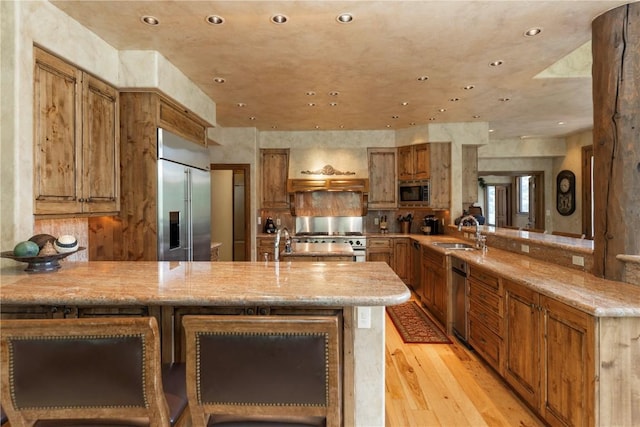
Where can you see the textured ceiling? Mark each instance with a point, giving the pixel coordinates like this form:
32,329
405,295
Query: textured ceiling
374,62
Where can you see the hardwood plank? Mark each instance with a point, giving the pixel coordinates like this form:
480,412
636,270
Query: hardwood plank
446,385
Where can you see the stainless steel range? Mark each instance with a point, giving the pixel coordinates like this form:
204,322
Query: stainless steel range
340,229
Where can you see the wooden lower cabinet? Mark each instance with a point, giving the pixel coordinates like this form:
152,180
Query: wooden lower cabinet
486,316
324,258
434,283
549,356
380,249
265,245
402,258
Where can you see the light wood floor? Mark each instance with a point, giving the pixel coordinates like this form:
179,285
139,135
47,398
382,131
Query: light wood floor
446,385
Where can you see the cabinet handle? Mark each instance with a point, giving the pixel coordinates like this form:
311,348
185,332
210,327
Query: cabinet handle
81,200
250,311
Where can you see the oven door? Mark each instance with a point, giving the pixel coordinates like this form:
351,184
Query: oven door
359,254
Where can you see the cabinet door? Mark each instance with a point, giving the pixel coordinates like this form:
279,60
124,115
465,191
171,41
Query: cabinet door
522,332
383,255
422,161
568,364
57,135
440,155
275,171
402,258
382,178
406,165
101,148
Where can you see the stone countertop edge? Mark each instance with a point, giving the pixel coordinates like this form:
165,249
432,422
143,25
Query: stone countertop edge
582,290
301,284
319,249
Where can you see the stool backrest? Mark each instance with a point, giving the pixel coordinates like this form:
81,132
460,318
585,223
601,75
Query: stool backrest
270,368
88,368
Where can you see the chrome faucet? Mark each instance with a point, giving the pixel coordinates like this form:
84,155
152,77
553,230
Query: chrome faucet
287,243
474,220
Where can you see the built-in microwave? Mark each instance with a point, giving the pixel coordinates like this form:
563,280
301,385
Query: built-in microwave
414,193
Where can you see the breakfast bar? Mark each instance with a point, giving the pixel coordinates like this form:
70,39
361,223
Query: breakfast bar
170,290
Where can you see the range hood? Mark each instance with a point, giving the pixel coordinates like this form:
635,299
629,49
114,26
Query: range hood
330,184
328,197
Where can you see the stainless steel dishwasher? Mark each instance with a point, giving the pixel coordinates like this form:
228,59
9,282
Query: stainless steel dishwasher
460,302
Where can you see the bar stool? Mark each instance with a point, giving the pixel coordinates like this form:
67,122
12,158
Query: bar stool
88,371
263,370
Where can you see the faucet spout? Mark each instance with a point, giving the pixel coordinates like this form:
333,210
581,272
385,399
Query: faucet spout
287,243
475,221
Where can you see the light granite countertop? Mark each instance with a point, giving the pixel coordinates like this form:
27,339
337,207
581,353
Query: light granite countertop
582,290
281,283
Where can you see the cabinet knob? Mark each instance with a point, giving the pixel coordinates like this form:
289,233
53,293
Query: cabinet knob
251,311
264,311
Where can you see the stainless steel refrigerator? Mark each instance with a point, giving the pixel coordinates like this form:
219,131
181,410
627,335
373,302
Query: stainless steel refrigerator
184,199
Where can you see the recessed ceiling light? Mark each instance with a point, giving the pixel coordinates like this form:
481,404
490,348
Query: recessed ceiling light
150,20
504,99
341,126
442,110
496,63
423,78
388,126
317,126
561,123
279,19
215,20
490,130
252,118
241,104
469,87
310,93
532,32
344,18
454,99
334,93
432,119
333,104
311,104
412,124
476,116
219,80
395,117
404,104
274,127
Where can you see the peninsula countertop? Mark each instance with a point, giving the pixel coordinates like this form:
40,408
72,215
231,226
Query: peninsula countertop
314,284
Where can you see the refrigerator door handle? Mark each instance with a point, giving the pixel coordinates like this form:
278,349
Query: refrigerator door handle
189,214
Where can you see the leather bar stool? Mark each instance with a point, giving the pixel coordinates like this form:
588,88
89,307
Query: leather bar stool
263,371
88,371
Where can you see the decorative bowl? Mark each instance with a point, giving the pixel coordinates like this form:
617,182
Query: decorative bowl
40,263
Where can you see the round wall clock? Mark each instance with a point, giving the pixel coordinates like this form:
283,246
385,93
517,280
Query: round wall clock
566,193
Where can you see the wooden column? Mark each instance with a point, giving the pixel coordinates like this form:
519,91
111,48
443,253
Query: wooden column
616,138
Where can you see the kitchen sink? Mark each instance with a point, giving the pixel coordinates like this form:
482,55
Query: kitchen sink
454,245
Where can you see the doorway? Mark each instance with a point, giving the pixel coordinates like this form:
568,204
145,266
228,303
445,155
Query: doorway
230,207
514,199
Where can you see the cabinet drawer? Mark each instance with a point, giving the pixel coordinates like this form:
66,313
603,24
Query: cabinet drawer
486,343
486,278
485,315
485,296
378,243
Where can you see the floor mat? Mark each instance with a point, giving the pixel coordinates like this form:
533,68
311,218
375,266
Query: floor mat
415,326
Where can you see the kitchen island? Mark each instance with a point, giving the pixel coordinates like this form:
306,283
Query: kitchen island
169,290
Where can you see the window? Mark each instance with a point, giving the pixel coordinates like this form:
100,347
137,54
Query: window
491,204
523,193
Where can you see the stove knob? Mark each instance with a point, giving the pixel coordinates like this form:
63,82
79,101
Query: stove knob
358,242
351,242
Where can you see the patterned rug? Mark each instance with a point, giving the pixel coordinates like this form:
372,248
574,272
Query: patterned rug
415,326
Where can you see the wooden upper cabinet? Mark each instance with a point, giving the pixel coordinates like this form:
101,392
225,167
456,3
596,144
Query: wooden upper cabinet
76,134
181,122
414,162
275,172
382,178
440,154
101,154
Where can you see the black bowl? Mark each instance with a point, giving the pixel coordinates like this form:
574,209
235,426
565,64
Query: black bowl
40,263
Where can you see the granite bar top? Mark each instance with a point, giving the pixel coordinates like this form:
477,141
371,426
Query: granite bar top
206,283
582,290
319,249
